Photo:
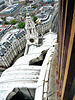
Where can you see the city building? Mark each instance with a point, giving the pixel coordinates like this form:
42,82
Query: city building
2,5
11,47
9,19
10,2
44,24
3,30
30,10
11,10
46,0
39,0
28,1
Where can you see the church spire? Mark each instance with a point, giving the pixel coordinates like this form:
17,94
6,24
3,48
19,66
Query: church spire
27,13
27,10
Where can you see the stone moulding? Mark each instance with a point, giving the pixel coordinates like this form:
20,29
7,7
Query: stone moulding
45,80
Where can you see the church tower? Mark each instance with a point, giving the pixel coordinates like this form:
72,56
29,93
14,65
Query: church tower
32,34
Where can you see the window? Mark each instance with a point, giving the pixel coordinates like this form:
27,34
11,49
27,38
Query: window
30,31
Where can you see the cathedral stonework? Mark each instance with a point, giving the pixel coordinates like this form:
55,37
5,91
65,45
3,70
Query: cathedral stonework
32,34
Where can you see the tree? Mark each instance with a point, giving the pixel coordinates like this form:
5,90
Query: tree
34,18
6,22
34,7
21,25
13,22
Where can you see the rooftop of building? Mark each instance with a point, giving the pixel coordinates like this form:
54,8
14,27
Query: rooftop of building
6,42
44,12
3,30
30,10
10,9
4,26
21,69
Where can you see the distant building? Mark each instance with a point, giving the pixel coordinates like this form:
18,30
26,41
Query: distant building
13,45
2,5
44,0
3,30
28,1
44,22
39,0
11,10
10,2
9,19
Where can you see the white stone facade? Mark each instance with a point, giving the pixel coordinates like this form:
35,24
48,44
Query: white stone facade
32,34
22,75
46,24
16,46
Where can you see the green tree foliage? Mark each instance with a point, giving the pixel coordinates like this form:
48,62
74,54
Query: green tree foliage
21,25
34,18
13,22
6,22
34,7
